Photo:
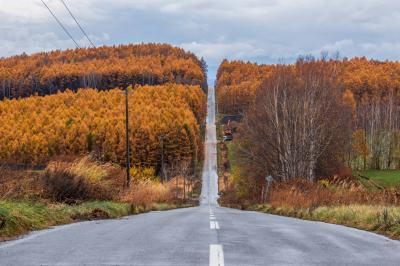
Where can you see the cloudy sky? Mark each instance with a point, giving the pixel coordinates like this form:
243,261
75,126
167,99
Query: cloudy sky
264,31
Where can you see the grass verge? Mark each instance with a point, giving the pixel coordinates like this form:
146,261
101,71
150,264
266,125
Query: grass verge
17,218
375,218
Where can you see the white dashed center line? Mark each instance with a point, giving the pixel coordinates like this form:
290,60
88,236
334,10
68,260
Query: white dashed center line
216,255
216,251
214,225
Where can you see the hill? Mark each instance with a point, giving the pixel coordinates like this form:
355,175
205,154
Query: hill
36,129
103,68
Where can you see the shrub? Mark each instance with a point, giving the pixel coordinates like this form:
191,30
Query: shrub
20,184
139,174
145,193
82,179
301,193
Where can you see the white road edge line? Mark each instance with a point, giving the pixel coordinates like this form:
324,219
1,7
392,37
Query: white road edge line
36,234
216,255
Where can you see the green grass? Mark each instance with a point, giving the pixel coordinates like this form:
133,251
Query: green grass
218,128
18,218
231,154
384,178
380,219
167,206
219,139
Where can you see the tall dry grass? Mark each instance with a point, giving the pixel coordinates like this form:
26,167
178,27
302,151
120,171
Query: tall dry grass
301,193
145,192
340,200
82,179
73,180
148,192
20,184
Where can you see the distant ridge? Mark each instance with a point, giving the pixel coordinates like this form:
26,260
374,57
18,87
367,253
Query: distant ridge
103,68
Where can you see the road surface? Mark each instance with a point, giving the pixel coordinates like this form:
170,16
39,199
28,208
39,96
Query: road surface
205,235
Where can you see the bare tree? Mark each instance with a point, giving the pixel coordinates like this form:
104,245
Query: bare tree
378,115
297,115
181,170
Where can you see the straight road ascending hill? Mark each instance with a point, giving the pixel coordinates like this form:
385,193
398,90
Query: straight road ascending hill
205,235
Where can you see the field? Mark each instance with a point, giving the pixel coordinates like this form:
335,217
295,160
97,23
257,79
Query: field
383,178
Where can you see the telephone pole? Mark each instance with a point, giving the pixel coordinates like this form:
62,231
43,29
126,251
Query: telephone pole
128,161
161,138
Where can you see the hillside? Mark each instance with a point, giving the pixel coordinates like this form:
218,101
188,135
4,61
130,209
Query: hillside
102,68
36,129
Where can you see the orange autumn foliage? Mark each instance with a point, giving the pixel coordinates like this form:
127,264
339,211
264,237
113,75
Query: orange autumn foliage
102,68
37,128
236,84
362,79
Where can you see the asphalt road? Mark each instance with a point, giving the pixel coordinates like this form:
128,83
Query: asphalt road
205,235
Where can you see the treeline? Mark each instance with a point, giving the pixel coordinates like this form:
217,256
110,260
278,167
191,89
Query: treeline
237,82
164,123
101,68
373,87
316,117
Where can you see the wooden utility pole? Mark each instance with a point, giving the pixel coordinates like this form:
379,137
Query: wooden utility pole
128,161
161,138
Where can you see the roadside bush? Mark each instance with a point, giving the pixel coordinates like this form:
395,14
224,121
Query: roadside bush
377,218
82,179
20,184
139,174
301,193
145,193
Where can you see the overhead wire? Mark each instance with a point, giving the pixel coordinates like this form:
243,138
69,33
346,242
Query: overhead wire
77,23
61,25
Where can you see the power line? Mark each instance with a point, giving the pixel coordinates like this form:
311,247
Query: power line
77,23
61,25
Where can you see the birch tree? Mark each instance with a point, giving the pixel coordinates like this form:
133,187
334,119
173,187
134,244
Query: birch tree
297,115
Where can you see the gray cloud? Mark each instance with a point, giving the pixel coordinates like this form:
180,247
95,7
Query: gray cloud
256,30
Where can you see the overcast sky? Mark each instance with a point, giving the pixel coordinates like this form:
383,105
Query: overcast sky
265,31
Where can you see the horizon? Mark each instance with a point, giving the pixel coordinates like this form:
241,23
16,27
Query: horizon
212,78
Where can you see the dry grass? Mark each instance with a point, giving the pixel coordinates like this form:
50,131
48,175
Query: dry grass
82,179
145,193
20,184
69,190
72,180
340,200
301,193
64,179
381,219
